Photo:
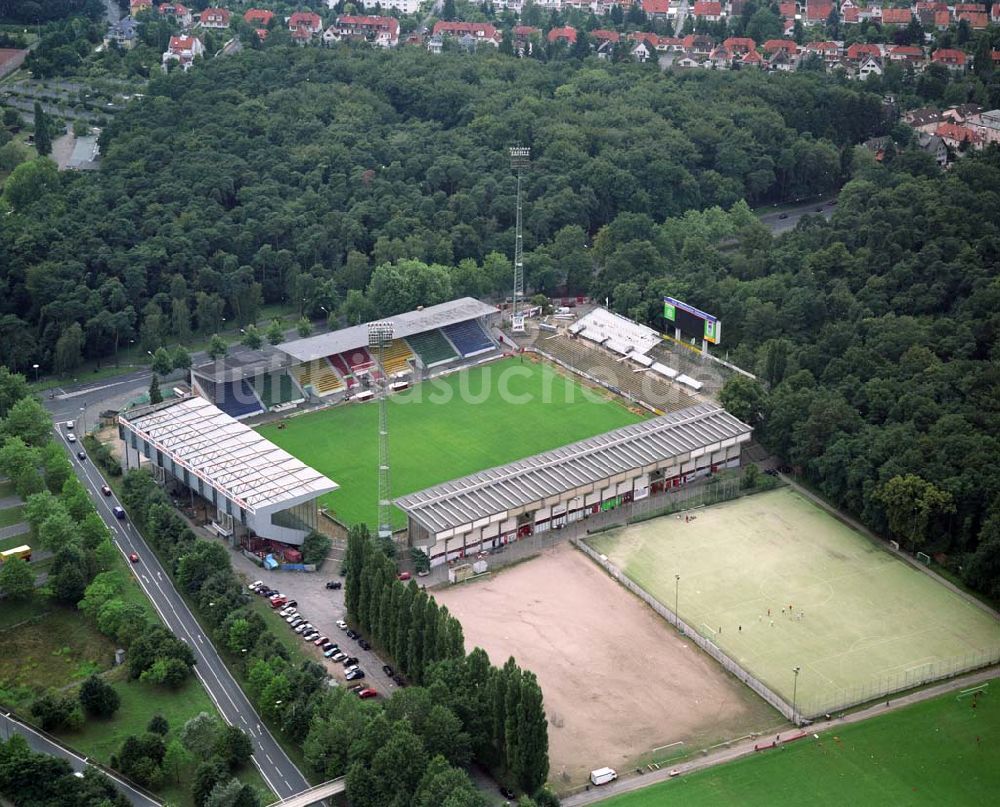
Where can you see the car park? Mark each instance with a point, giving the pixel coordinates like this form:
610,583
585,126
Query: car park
355,675
341,624
387,670
367,693
106,490
334,584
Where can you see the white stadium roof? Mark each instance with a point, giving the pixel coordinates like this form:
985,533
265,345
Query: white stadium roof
412,322
226,454
487,493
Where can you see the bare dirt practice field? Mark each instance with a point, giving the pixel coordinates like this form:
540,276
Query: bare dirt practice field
617,680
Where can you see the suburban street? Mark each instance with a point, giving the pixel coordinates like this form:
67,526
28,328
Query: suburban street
278,770
10,725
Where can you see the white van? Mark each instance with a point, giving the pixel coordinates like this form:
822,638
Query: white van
603,775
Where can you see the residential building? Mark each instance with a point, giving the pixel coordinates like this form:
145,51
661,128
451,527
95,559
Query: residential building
935,146
566,35
817,13
184,50
217,18
124,33
959,137
773,46
859,52
752,59
181,14
951,58
707,10
783,61
987,124
138,6
896,16
642,52
829,52
402,6
740,44
909,54
480,31
657,9
868,68
259,17
977,20
381,31
526,35
304,24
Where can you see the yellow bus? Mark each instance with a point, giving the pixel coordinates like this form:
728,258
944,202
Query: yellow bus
23,551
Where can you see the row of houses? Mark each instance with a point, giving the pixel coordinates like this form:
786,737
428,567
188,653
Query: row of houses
960,127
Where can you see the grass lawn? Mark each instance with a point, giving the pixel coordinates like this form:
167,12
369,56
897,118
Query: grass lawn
924,754
446,428
870,622
46,645
139,702
12,515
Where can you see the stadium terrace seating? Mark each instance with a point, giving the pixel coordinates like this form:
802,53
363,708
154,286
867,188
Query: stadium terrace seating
275,389
468,337
397,358
341,367
616,333
320,376
360,361
236,398
432,348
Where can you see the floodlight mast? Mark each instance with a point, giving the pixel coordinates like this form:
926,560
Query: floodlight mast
520,158
380,334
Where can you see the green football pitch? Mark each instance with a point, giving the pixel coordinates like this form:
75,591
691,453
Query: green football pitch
446,428
941,751
861,621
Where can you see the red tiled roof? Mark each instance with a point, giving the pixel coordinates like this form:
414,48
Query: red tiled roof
977,19
181,43
942,19
707,8
656,6
480,29
753,56
261,33
527,30
788,9
601,35
260,15
823,47
906,50
390,24
741,43
773,45
949,56
215,15
896,16
995,54
971,7
174,8
305,19
818,12
955,132
860,50
851,14
568,33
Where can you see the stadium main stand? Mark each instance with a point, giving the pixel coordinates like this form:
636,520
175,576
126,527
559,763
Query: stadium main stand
236,398
432,348
469,338
342,367
275,389
320,376
615,332
397,358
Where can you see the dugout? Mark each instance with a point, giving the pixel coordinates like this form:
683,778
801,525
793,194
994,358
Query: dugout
495,507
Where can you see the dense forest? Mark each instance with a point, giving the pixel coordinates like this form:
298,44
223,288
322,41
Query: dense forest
291,175
39,11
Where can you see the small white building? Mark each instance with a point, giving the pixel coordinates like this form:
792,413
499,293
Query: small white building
184,50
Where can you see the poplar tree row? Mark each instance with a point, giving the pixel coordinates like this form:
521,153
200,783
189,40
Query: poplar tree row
500,708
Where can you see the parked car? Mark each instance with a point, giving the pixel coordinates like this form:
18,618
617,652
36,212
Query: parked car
295,621
340,655
423,573
364,644
355,675
309,635
350,661
133,557
399,680
387,670
278,602
321,640
356,688
349,668
341,624
292,602
327,646
334,584
286,611
255,585
303,628
351,634
507,793
404,575
367,693
119,512
106,490
331,652
293,616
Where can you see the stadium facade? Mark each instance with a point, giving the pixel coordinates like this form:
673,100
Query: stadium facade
495,507
246,483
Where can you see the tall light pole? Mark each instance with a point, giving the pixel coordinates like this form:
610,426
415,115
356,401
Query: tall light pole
795,694
35,368
520,156
677,588
380,334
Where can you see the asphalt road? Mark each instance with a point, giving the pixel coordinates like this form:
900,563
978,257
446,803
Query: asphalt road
274,765
9,726
779,225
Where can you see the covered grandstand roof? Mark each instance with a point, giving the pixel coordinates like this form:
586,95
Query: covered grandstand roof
412,322
244,365
226,454
497,490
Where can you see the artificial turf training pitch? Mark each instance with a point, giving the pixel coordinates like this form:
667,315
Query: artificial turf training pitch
446,428
856,619
941,751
